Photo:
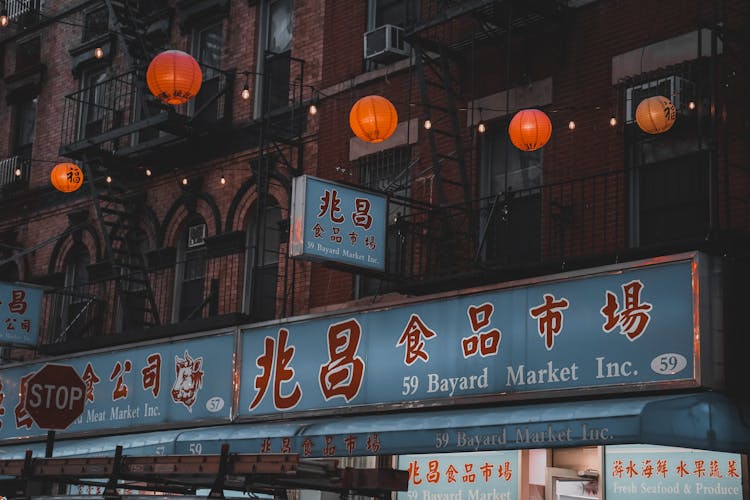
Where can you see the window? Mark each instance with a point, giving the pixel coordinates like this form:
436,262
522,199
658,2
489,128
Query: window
94,115
28,54
388,172
264,237
206,48
396,12
668,173
25,121
77,306
191,273
95,23
276,56
510,219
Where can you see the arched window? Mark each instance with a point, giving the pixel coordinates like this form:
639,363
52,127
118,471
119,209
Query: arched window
262,242
190,277
77,303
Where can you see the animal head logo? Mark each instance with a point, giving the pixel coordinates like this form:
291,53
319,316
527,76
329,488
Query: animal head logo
188,381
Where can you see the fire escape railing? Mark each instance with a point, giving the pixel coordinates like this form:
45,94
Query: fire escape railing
119,114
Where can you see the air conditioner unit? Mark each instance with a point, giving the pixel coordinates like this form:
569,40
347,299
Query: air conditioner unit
677,89
385,44
196,235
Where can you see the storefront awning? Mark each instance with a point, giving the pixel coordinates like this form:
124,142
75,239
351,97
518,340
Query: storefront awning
702,420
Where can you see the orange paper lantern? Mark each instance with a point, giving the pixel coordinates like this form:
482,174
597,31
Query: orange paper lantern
655,114
373,118
530,129
174,77
66,177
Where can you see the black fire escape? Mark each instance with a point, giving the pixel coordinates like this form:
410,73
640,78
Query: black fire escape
445,42
114,128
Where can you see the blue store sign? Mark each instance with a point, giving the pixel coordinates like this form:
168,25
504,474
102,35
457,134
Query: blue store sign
337,223
602,331
20,314
189,381
638,472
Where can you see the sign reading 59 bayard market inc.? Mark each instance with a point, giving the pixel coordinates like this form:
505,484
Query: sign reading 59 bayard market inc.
145,386
337,223
20,309
604,330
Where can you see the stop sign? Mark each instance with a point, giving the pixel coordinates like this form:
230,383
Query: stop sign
55,396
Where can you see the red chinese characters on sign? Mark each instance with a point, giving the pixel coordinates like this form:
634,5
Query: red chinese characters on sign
2,399
274,364
549,318
23,419
486,343
413,339
350,442
17,303
118,373
633,318
151,374
90,379
330,202
373,443
681,468
433,472
188,380
361,216
342,375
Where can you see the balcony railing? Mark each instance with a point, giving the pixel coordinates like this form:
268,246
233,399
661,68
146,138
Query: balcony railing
102,307
514,233
14,173
119,115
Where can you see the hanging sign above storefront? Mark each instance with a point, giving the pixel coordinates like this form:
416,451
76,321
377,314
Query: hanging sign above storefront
137,388
639,471
599,332
20,310
337,223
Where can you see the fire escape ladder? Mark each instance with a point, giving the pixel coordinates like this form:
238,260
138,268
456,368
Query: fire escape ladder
135,21
118,215
439,90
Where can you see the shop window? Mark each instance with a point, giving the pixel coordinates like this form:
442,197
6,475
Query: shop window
510,219
206,48
25,122
387,172
191,273
28,54
265,233
276,55
95,23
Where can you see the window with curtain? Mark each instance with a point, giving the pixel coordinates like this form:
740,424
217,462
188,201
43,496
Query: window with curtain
276,57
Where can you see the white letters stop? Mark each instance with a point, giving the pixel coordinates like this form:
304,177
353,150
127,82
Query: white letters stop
51,396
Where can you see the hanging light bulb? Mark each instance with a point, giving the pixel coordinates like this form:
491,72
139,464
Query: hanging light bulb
613,122
184,181
148,172
98,52
481,128
18,172
4,21
109,180
313,109
427,124
572,125
245,94
223,180
691,105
